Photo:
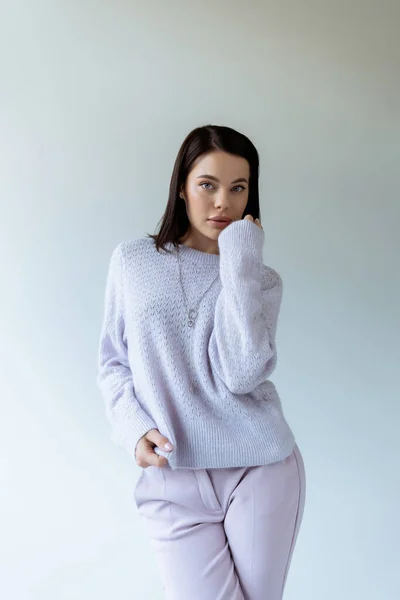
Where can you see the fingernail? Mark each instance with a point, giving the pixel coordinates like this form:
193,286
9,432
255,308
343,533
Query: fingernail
168,446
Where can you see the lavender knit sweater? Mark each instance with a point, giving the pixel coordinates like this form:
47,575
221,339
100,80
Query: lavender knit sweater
205,387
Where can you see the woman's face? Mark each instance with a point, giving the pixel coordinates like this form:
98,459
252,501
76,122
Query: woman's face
216,187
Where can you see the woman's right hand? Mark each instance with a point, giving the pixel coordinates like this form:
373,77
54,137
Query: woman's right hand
145,455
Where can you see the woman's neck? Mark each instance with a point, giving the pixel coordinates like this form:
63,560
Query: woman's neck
200,242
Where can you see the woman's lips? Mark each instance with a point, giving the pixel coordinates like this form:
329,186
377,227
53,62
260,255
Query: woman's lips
218,224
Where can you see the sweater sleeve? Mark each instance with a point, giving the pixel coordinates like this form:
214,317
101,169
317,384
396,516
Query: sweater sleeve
129,421
242,349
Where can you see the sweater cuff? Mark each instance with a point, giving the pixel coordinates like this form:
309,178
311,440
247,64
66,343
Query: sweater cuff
242,236
133,426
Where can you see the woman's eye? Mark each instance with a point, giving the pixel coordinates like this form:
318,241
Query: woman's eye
237,188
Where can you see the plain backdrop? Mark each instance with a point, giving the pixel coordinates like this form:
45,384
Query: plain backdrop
95,100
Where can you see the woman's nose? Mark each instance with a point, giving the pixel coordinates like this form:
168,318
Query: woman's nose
222,200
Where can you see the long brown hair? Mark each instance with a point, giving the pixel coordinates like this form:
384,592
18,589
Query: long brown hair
175,222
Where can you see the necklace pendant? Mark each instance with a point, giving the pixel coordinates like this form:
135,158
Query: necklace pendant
192,317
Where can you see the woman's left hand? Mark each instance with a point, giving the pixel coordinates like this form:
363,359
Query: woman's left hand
256,221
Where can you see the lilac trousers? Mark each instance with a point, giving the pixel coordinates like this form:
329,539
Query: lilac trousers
224,534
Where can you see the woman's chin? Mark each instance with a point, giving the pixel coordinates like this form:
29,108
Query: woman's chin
211,233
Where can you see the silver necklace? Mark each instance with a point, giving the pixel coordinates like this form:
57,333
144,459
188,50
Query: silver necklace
193,311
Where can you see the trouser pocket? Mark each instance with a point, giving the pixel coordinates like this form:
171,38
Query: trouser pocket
190,488
148,486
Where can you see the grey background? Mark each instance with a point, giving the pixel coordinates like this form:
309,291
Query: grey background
95,100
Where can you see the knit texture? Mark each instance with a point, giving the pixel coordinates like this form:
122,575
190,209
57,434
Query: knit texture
205,387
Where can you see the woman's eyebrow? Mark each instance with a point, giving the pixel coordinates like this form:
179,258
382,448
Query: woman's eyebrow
217,180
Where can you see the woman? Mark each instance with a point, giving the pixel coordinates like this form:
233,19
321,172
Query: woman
186,351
